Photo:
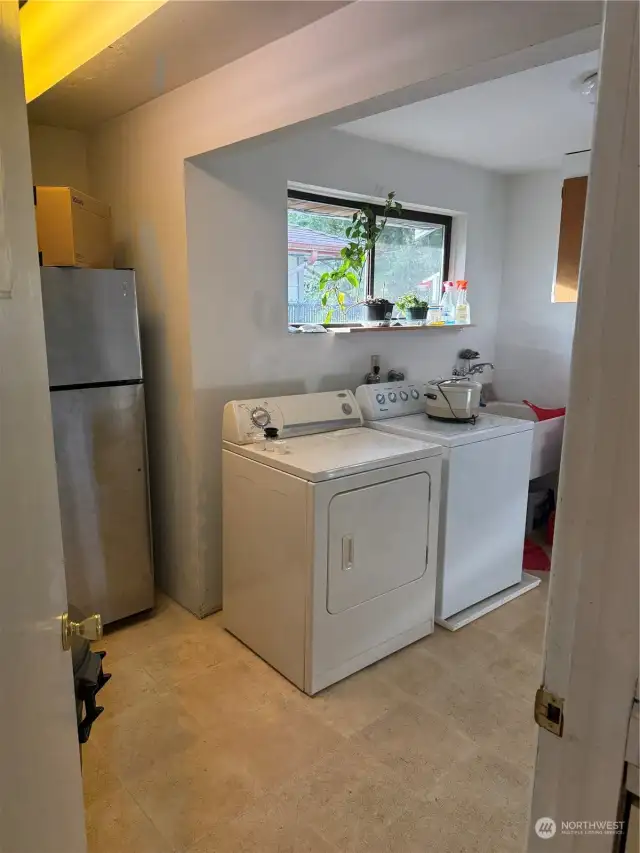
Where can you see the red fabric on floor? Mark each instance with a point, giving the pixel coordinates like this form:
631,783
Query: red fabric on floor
534,558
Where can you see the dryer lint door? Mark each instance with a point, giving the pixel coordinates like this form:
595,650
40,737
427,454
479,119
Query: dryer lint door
378,539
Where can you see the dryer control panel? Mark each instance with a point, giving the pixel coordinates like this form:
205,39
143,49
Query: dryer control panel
391,400
244,421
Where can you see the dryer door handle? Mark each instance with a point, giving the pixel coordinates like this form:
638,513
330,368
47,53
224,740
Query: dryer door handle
347,552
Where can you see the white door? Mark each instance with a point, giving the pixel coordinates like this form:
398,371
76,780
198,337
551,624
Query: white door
41,808
372,547
591,655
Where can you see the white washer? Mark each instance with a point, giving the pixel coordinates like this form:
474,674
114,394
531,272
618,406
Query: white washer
329,542
485,483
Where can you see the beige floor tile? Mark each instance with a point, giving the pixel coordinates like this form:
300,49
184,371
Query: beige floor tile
129,683
479,807
470,645
145,734
517,671
308,797
357,818
504,619
274,742
517,738
490,713
203,744
347,797
414,670
193,792
530,633
140,632
478,706
234,688
462,825
357,701
487,776
266,836
118,825
99,782
419,745
177,658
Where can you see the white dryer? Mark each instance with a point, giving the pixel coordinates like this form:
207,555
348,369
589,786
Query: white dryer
329,536
483,500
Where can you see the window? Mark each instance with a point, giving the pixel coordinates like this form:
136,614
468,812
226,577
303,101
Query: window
412,252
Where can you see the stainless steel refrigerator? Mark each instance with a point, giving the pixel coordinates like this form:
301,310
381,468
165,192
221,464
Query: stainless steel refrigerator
97,401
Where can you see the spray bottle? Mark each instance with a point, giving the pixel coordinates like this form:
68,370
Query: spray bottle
463,313
448,305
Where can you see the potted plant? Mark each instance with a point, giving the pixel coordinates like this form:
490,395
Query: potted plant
378,311
363,234
413,308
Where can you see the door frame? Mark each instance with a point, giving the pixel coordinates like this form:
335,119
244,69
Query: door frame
591,647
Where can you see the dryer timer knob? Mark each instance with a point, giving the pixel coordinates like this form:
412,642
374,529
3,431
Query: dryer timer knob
260,417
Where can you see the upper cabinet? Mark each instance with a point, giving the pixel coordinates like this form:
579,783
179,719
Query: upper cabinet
574,199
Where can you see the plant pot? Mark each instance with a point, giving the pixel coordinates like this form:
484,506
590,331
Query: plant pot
416,315
379,314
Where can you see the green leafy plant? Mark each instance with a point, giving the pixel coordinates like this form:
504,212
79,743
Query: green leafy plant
363,234
410,300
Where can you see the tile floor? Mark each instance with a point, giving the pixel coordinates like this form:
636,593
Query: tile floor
204,749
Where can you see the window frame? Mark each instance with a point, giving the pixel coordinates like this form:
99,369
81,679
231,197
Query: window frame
377,210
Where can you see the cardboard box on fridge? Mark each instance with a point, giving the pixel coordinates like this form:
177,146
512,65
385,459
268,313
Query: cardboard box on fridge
74,229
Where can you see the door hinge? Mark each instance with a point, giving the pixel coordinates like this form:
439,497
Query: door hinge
549,711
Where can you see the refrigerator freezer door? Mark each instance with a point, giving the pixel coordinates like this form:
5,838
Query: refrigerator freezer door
101,458
91,326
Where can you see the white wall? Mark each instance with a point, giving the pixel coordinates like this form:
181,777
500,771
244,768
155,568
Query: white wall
404,52
535,335
236,227
59,157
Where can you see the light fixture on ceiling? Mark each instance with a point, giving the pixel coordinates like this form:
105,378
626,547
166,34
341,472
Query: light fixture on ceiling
589,87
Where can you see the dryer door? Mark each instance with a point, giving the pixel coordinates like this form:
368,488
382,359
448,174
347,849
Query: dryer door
377,540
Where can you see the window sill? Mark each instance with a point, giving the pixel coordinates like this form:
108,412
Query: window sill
359,329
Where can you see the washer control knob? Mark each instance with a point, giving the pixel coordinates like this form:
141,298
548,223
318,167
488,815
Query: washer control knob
404,396
380,398
392,396
347,408
414,394
260,417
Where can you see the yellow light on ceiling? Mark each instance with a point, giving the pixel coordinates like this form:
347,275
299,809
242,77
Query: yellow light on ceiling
58,36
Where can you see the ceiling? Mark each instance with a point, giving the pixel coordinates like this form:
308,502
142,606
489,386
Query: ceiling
183,40
58,38
519,123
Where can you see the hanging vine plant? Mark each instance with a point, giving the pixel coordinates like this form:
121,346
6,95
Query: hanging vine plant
363,234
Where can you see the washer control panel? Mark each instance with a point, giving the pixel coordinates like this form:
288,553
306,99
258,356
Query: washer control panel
244,421
391,400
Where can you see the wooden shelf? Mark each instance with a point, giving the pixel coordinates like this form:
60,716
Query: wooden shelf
350,330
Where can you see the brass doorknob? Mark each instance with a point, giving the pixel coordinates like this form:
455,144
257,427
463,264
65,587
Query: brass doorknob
89,629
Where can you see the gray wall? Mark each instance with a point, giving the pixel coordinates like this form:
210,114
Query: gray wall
535,335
